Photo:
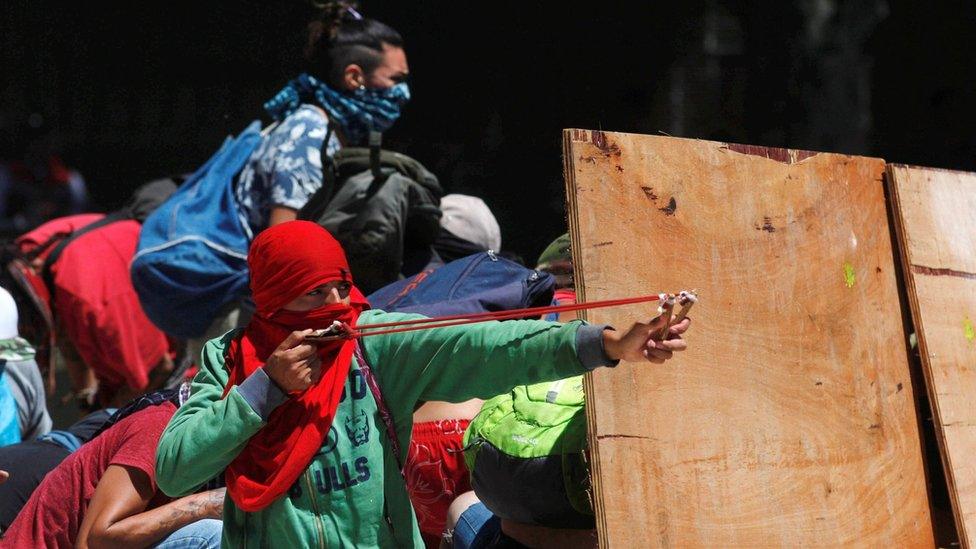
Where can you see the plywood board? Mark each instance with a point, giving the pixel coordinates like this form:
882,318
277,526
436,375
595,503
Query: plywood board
935,214
790,420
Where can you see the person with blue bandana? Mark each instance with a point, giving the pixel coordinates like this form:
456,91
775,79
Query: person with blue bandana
354,83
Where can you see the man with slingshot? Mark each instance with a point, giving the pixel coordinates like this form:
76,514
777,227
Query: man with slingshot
310,430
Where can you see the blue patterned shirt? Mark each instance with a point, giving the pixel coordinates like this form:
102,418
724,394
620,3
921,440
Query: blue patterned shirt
285,169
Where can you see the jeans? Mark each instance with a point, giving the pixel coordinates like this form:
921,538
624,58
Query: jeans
202,534
475,528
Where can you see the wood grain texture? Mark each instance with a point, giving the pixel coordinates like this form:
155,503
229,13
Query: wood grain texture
935,215
790,420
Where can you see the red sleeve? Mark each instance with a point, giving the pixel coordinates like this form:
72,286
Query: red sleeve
139,436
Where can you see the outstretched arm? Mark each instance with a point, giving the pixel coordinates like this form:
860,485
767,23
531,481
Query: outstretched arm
117,515
483,360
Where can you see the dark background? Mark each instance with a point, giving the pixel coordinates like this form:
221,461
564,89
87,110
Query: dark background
136,91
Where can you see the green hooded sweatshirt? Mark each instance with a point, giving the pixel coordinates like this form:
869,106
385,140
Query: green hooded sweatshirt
351,494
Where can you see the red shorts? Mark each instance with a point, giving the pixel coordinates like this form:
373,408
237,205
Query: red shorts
436,473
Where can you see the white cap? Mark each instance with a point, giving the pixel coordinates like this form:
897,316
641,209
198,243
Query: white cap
468,217
8,315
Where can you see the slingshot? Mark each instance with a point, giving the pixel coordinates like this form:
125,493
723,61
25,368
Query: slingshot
339,330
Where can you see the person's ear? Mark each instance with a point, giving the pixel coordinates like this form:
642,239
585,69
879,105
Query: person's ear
353,77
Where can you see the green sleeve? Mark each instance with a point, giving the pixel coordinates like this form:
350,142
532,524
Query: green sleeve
458,363
208,431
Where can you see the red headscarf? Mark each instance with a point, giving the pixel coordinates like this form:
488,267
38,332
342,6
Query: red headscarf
287,261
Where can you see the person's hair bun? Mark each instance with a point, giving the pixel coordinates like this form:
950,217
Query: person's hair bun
332,16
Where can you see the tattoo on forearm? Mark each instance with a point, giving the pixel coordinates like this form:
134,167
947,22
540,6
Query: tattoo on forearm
191,509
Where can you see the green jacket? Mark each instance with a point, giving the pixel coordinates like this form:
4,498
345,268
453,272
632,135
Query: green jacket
339,501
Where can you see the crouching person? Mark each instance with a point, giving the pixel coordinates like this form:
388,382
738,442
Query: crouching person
105,495
311,435
527,495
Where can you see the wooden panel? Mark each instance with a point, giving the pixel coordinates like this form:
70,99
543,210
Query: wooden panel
935,214
790,420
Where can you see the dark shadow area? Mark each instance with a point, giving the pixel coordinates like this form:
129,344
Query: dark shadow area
137,91
944,528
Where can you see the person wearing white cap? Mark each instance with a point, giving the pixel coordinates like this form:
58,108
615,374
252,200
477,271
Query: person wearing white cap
20,380
469,218
467,227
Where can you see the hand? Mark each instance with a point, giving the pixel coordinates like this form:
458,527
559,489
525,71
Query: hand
641,341
4,476
294,366
213,503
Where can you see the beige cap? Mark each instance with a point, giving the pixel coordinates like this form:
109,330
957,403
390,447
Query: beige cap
468,217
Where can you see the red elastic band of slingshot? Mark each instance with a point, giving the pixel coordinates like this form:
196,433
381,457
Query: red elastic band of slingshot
457,320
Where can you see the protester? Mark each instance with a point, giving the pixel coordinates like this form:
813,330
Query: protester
112,350
529,492
302,429
467,227
29,461
529,495
23,407
435,470
557,260
354,81
105,495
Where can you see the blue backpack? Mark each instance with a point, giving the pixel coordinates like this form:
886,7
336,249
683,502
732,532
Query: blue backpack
474,284
192,254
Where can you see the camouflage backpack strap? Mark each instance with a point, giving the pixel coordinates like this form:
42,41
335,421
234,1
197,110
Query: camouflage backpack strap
384,411
16,349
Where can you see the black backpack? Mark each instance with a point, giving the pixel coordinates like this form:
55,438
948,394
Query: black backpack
376,203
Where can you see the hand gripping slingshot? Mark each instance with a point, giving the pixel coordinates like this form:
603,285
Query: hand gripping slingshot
339,330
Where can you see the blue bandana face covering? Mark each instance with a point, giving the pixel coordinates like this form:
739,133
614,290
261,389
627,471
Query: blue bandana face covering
355,113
